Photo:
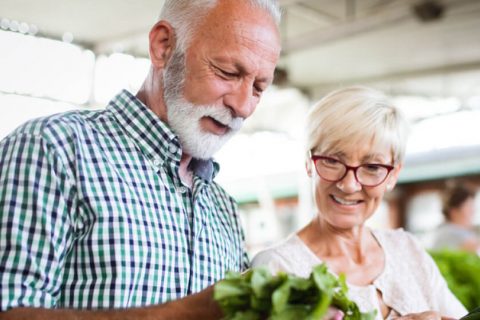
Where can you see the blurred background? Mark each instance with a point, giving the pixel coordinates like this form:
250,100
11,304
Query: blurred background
62,55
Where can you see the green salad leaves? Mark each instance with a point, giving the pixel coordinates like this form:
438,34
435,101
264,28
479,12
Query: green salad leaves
461,270
472,315
256,294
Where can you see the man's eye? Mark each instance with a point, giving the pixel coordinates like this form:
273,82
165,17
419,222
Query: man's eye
228,74
258,90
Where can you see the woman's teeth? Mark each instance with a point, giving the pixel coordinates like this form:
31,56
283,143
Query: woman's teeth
346,202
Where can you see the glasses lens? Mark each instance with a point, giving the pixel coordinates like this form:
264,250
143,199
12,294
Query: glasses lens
371,174
330,169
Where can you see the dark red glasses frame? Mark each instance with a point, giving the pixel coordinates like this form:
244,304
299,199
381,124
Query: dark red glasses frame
353,168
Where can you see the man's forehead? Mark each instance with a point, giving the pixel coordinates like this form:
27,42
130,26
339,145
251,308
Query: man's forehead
241,35
228,13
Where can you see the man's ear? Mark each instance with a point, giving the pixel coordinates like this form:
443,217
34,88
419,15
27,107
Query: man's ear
162,43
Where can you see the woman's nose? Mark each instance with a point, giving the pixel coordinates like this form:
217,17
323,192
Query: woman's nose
349,183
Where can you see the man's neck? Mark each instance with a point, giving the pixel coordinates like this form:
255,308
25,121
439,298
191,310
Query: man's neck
151,94
186,175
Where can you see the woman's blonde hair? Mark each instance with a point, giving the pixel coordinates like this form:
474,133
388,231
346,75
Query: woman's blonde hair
356,115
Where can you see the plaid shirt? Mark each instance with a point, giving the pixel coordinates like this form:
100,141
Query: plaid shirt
93,213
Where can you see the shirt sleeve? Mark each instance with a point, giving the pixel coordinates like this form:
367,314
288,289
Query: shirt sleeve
271,260
35,232
246,261
448,305
442,299
288,256
266,259
243,254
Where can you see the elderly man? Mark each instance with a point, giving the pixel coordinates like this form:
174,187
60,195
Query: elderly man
108,214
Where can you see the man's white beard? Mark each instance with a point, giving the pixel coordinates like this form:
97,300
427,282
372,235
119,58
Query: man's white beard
184,117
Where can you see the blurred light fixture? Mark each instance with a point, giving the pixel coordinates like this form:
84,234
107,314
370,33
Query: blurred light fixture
18,26
118,48
474,102
32,30
428,11
67,37
23,28
14,25
5,24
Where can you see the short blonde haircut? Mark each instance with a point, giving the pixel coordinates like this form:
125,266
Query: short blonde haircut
353,116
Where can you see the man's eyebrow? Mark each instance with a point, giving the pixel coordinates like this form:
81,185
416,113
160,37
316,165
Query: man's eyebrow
242,70
267,80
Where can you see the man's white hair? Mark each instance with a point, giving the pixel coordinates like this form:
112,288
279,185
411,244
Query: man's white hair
185,15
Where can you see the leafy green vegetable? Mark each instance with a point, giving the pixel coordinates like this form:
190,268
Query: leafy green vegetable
461,270
472,315
256,294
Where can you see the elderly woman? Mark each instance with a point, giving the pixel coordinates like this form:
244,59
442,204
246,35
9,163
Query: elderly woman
355,146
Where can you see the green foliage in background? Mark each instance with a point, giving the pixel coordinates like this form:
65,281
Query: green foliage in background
256,294
462,272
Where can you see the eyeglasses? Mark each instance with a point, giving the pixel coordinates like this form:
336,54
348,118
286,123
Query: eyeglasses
367,174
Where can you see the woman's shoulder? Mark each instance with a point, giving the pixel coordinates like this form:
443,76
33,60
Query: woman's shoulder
401,246
277,251
396,237
289,255
411,281
405,253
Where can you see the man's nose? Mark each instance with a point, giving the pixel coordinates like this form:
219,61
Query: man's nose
241,100
349,183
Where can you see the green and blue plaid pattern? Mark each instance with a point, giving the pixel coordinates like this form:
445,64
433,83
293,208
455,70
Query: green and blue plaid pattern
93,213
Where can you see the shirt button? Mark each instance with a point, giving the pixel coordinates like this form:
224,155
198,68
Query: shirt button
157,162
173,149
182,189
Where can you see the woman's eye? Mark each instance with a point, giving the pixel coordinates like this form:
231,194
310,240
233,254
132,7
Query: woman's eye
330,161
372,167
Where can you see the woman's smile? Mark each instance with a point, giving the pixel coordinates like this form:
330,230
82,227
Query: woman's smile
345,202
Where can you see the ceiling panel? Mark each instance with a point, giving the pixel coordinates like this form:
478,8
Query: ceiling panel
327,43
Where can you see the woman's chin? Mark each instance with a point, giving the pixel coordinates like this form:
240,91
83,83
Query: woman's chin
346,223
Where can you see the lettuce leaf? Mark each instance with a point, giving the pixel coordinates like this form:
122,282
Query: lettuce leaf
461,270
257,294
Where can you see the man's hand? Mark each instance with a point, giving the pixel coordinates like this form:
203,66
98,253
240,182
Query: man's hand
196,306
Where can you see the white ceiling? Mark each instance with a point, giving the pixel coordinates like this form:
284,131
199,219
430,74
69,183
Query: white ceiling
327,43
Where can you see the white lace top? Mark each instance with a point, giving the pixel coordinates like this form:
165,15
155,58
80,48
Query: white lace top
409,283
